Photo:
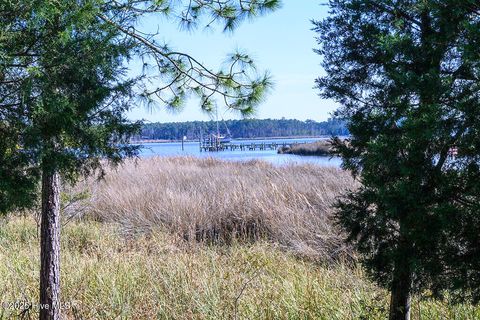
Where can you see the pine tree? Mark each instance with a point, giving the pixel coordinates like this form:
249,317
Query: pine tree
64,93
407,76
17,177
70,103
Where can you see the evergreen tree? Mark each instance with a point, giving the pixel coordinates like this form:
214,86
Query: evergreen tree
17,178
407,76
64,94
67,112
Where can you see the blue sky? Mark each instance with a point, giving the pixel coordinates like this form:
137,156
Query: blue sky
280,42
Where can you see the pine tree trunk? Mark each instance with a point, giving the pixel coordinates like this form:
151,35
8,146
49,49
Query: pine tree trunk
401,292
50,247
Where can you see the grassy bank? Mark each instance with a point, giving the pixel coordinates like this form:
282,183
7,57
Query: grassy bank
184,238
108,276
317,148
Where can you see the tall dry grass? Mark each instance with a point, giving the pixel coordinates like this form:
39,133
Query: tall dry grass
158,275
107,276
317,148
209,200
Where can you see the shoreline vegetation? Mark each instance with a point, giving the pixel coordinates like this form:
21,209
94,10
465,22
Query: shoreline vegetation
245,128
147,141
190,238
317,148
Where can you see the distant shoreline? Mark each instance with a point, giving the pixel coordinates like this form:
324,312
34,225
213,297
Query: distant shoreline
235,139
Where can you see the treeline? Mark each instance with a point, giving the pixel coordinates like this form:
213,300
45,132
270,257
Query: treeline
246,128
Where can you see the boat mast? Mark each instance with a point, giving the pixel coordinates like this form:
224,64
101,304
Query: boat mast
229,134
218,129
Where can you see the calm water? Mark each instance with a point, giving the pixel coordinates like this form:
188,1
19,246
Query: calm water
192,149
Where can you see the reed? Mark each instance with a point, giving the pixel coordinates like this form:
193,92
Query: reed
139,251
213,201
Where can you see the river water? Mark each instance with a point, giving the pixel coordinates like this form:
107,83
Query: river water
193,149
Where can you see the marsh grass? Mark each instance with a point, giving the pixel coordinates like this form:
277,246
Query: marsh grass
317,148
219,202
108,276
267,248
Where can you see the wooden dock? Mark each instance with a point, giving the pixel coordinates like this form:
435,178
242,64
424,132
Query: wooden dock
208,146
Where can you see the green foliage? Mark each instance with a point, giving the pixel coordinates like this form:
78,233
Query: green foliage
407,76
64,88
245,128
81,111
227,13
17,178
170,77
64,95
